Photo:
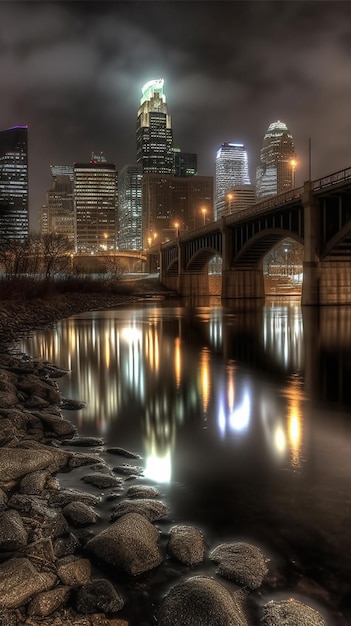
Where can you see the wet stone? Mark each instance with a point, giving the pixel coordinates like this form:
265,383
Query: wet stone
74,572
98,594
142,491
122,452
63,497
151,509
242,562
102,481
13,535
186,544
129,470
20,581
79,514
65,546
46,602
290,612
87,442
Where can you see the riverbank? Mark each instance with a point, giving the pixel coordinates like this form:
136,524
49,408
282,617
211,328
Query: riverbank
48,542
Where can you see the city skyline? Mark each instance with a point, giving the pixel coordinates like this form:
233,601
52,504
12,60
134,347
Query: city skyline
74,76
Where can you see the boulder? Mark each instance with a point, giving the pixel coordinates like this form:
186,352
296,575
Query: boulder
242,562
200,601
131,544
186,544
17,462
102,481
20,581
46,602
142,491
79,514
73,571
290,612
13,535
98,594
151,509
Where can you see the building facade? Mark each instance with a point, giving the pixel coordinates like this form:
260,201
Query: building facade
57,216
185,163
95,207
174,205
231,170
130,208
276,171
14,210
236,199
154,136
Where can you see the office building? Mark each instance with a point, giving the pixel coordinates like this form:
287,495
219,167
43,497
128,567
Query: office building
276,171
236,199
14,211
185,163
57,216
231,170
95,206
154,136
174,205
129,208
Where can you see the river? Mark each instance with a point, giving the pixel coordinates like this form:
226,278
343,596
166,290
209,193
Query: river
242,419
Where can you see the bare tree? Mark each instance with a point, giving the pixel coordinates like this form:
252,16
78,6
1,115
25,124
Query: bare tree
56,250
114,266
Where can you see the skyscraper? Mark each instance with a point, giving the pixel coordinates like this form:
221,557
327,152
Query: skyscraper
275,173
185,163
95,206
57,216
14,214
154,134
129,208
231,169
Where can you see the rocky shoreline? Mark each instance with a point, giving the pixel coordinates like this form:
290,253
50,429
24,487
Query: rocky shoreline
49,545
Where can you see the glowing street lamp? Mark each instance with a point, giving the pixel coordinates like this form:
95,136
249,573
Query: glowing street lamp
149,240
176,226
204,211
293,164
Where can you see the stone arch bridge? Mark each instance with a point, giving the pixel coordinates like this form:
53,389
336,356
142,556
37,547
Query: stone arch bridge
317,215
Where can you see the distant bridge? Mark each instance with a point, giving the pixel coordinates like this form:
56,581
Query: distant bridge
317,215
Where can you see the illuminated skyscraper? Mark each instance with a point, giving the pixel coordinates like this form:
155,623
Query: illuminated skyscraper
14,215
231,169
57,216
185,163
95,206
154,134
129,208
275,174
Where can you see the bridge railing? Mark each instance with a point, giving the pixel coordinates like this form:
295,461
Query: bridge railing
332,179
260,207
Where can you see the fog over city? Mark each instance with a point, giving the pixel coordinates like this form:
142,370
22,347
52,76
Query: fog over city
73,72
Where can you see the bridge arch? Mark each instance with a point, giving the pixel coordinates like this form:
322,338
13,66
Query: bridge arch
200,259
252,253
339,246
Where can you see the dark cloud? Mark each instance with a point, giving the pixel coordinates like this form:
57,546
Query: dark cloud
73,72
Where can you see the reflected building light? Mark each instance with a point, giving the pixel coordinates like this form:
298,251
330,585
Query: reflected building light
295,434
221,419
205,382
230,388
279,440
177,361
159,468
239,418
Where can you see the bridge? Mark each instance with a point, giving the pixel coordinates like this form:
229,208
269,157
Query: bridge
317,215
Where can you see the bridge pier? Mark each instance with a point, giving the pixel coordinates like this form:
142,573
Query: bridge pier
243,283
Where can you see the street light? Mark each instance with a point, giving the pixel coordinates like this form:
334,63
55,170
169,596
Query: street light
204,211
176,226
293,164
149,240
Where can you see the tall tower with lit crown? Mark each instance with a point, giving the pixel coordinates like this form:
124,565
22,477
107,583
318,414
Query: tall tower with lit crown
154,136
275,173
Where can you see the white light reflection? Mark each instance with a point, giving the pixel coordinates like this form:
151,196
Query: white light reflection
159,468
239,419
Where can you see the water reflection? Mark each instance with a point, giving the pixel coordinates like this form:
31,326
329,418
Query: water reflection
167,366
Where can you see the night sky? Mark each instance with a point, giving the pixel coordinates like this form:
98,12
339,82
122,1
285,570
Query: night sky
73,72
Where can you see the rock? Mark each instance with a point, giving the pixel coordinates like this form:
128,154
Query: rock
13,535
63,497
131,544
102,481
290,612
31,385
20,581
40,553
87,442
46,602
8,400
241,562
123,452
142,491
186,544
77,460
57,425
33,483
72,405
74,572
151,509
98,594
200,601
128,470
17,462
65,546
79,514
